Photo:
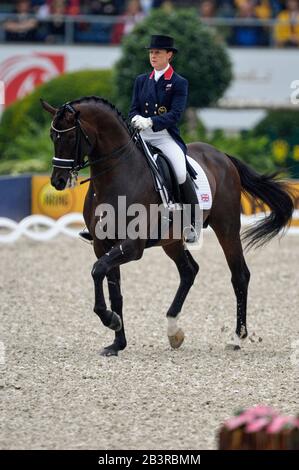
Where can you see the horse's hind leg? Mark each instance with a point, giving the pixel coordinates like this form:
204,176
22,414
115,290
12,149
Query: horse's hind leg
188,269
116,302
229,238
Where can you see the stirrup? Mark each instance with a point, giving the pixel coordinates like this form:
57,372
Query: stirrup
190,234
86,237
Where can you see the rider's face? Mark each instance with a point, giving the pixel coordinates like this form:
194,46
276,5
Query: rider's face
159,58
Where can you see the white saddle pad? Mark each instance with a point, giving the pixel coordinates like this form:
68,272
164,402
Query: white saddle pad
203,189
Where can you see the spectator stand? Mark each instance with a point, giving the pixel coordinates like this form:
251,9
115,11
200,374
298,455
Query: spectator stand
241,23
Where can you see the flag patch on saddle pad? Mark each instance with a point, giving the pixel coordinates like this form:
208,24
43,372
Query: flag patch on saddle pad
203,189
205,197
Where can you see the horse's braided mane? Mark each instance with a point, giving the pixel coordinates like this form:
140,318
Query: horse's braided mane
97,99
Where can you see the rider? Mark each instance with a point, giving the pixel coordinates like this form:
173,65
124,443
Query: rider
159,99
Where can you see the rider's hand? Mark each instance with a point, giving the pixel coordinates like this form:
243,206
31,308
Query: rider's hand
142,123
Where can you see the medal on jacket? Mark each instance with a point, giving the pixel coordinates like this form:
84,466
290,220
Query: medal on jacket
162,110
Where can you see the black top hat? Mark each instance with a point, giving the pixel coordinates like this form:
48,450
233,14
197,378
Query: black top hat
162,42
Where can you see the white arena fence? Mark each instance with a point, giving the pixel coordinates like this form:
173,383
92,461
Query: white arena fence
40,227
43,228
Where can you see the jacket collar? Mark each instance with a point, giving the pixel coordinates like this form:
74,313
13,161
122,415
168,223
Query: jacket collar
167,75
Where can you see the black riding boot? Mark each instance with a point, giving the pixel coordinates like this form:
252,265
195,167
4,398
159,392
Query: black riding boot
188,196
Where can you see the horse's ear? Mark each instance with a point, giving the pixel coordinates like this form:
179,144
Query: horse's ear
50,109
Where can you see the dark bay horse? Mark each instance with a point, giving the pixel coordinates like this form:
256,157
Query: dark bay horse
93,127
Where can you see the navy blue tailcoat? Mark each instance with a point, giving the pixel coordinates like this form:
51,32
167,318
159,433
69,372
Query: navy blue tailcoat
164,101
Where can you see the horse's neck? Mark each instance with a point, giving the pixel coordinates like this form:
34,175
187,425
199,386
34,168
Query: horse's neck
123,173
108,141
117,173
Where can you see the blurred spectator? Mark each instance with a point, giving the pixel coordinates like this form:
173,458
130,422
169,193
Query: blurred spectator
263,9
36,4
276,6
24,26
73,7
59,7
167,5
226,9
287,30
207,9
100,31
54,29
101,7
248,35
146,5
131,17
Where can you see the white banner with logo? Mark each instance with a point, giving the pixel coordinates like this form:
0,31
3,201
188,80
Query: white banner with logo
22,68
261,75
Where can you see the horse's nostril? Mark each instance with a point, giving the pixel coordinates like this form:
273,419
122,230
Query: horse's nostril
61,184
58,184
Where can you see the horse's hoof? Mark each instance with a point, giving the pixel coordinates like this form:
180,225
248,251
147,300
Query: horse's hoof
235,343
232,347
106,352
177,339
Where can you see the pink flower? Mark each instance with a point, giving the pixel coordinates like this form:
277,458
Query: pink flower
257,425
279,422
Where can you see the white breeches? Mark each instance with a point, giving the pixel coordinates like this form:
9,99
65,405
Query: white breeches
170,148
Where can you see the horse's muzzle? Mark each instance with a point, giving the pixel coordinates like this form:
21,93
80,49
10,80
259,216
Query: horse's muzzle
58,183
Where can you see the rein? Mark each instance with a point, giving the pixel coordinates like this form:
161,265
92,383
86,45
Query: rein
106,157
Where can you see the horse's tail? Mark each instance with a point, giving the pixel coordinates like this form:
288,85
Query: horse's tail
271,191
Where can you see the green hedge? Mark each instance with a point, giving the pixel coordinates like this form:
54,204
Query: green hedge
254,150
282,129
280,124
28,152
19,118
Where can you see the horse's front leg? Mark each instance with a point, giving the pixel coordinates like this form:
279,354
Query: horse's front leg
116,302
122,252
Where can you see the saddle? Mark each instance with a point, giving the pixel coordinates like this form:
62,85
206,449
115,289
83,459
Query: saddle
163,171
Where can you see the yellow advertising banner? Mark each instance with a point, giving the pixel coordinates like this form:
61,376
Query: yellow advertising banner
48,201
250,206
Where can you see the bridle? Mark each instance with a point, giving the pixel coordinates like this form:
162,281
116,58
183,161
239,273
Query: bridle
78,163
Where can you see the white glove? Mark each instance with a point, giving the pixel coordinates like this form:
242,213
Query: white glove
142,123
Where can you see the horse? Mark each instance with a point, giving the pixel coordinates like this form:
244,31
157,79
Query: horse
92,127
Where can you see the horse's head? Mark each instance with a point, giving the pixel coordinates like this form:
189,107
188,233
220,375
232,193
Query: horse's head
71,144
